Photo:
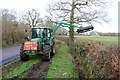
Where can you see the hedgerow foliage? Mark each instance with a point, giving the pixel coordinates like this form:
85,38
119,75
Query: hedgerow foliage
94,59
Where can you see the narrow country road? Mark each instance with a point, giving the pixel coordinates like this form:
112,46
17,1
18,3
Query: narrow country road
8,54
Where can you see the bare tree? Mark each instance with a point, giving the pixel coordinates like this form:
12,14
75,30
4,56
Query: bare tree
31,18
12,32
78,11
8,17
48,22
9,25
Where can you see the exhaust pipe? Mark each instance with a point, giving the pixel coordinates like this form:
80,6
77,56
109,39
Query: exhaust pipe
85,29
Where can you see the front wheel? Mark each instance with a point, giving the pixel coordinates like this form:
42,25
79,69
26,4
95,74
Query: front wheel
24,57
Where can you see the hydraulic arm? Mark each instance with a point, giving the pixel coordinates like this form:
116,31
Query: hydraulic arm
79,30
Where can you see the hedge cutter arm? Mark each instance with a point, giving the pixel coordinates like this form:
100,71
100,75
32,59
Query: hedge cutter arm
79,30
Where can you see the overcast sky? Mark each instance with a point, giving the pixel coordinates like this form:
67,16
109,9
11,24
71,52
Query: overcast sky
41,5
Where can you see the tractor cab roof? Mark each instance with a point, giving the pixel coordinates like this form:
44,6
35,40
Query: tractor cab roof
40,27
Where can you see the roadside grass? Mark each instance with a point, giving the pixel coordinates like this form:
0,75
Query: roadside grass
6,68
15,72
62,66
103,39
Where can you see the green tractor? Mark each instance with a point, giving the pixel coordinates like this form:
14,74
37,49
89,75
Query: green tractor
42,41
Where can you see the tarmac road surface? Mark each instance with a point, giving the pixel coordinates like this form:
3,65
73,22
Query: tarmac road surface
9,54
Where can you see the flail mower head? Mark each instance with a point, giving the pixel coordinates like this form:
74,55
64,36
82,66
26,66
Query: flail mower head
85,29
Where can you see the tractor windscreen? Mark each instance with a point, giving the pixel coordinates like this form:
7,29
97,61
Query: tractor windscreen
40,32
37,32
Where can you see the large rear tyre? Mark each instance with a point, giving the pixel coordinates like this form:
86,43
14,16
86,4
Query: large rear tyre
46,53
23,55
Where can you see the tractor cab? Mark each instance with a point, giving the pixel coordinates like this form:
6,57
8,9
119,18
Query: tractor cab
41,35
40,32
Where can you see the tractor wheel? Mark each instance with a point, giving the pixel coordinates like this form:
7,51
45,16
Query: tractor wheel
46,53
23,55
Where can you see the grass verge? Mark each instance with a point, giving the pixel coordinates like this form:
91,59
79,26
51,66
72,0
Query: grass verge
62,66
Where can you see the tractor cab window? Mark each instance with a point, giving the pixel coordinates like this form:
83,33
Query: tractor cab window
40,32
46,32
36,33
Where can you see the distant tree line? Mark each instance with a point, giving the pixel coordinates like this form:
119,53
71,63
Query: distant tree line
12,30
99,33
108,34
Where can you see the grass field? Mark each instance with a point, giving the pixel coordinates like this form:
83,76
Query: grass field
103,39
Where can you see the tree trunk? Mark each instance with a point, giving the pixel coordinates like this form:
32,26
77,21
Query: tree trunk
71,32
